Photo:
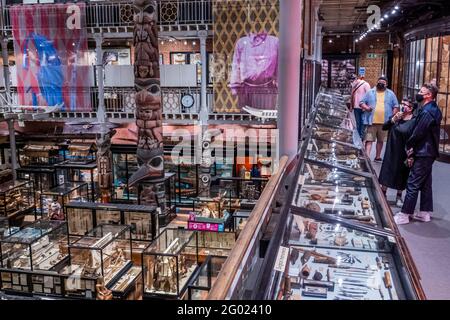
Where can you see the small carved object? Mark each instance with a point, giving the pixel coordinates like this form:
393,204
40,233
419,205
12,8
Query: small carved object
311,230
305,272
316,197
148,196
313,207
305,257
294,256
287,287
55,211
104,164
103,293
340,240
317,276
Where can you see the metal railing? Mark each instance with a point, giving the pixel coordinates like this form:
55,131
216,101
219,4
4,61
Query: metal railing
122,100
119,13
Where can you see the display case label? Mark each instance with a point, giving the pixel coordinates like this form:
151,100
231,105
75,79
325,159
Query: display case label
280,263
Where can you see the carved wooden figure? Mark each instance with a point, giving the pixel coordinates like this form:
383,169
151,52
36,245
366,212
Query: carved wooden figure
104,164
148,93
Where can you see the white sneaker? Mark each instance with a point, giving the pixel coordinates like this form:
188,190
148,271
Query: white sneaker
399,203
422,216
401,218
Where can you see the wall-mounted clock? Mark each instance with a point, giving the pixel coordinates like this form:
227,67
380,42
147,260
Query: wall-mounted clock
187,100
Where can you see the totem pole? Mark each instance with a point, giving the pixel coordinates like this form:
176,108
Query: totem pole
206,160
104,164
148,101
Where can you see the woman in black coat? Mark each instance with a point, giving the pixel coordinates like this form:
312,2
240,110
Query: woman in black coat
394,172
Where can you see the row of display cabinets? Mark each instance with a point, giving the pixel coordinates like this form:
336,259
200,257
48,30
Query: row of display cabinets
43,259
337,239
180,183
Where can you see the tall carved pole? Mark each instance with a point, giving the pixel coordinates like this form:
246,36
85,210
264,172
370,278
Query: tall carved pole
148,93
104,165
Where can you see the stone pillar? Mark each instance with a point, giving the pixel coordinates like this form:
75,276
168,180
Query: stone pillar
289,76
101,113
6,74
204,85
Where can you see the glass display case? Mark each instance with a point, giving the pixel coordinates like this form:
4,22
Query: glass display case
335,111
169,263
47,284
240,218
79,172
340,261
338,154
124,166
43,179
129,286
186,178
215,244
209,215
247,191
6,229
325,189
5,172
187,181
204,279
53,201
225,169
104,252
38,154
16,198
333,120
41,245
81,152
338,134
84,216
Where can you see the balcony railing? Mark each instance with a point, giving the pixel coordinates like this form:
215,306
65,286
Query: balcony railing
119,13
122,100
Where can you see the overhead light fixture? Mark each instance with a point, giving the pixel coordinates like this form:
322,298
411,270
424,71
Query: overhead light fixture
194,43
382,19
330,41
185,43
396,8
394,11
386,16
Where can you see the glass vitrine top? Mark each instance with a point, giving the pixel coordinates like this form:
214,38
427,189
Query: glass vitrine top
337,154
34,231
325,189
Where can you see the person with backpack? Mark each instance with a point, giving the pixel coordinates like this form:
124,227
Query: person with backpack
422,151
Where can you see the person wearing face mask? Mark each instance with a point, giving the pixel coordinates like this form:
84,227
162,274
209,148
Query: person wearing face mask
379,104
422,150
394,172
359,89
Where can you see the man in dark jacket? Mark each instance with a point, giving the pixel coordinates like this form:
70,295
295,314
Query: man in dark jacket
423,149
